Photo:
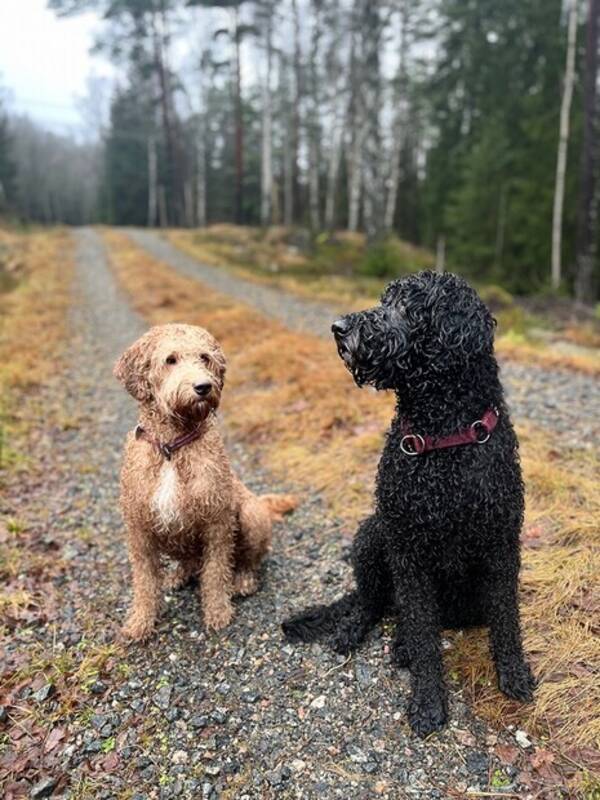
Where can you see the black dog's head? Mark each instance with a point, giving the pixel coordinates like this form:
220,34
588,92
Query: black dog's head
427,324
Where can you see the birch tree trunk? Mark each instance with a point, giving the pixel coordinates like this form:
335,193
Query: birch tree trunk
370,93
561,162
239,119
288,138
399,120
295,141
267,125
334,72
201,142
590,180
356,132
313,125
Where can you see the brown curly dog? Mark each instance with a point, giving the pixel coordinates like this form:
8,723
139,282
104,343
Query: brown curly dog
179,495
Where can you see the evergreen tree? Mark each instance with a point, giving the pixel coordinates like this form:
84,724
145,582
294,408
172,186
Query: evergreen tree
8,170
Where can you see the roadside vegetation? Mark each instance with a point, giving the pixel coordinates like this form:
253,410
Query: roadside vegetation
342,271
289,398
36,270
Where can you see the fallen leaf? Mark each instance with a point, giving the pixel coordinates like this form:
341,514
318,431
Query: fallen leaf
55,736
111,762
507,753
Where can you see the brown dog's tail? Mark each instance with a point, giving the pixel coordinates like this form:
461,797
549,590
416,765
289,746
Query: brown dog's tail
279,504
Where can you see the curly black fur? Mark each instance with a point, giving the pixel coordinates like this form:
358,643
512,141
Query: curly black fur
442,547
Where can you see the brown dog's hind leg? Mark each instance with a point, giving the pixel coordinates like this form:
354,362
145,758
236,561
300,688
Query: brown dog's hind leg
253,542
147,576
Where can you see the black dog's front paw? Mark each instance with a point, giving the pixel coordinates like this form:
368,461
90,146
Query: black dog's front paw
427,712
400,656
517,681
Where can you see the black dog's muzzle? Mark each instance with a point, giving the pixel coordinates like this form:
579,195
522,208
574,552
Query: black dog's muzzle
346,339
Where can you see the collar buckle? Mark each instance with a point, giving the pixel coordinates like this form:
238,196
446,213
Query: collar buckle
417,446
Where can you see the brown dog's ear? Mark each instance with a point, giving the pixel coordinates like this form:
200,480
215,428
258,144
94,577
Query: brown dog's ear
220,362
132,368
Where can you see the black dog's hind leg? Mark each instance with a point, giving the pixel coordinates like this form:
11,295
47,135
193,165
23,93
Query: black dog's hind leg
373,588
418,644
515,678
317,622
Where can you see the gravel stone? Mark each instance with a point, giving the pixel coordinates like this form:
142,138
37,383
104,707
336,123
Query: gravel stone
43,788
44,693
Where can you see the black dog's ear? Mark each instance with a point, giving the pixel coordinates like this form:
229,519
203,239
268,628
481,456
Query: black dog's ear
466,327
132,367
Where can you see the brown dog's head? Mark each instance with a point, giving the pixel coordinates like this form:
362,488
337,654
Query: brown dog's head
180,369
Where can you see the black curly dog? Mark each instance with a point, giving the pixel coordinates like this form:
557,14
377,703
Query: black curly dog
442,547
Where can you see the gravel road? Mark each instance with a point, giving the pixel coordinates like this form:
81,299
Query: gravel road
239,714
559,400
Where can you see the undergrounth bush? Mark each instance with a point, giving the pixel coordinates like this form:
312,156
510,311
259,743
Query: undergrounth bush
393,257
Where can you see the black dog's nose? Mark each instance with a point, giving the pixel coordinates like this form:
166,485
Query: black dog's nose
340,327
202,389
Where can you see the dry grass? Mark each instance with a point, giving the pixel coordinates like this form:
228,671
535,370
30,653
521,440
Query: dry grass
327,269
37,271
289,397
517,347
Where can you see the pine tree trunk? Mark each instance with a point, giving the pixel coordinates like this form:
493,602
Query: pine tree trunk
590,180
200,178
267,129
561,162
188,203
335,152
152,182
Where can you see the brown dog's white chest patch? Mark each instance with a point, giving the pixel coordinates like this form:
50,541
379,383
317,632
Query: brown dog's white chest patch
166,498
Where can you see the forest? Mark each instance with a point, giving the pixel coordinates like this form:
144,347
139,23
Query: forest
464,127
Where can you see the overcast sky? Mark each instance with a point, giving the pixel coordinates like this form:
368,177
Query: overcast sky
45,61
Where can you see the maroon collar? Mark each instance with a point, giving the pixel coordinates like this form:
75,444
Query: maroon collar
413,444
168,448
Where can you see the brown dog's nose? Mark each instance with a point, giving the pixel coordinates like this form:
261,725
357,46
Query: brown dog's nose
202,389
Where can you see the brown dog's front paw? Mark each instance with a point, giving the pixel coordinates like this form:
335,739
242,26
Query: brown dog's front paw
218,616
137,628
245,583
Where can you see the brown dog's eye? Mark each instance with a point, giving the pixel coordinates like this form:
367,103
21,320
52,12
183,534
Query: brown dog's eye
171,359
205,359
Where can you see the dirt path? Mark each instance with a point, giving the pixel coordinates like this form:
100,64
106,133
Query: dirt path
559,400
238,714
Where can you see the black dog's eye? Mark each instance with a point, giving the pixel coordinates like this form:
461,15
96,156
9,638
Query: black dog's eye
205,358
171,359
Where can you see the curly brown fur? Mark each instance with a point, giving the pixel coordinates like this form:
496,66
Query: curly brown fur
442,546
192,508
